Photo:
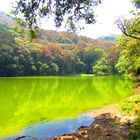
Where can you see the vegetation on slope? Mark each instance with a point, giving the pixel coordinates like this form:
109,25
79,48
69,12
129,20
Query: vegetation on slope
53,53
61,53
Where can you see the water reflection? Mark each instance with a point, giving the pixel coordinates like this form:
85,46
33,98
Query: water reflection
53,128
25,101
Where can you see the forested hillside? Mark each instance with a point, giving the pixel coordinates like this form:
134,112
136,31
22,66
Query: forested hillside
110,38
53,53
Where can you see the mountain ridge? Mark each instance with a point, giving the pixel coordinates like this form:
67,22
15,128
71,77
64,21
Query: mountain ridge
52,36
109,38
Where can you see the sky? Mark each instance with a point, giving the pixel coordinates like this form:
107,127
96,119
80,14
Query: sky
106,14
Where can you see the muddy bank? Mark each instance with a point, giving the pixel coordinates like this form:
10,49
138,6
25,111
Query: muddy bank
109,124
106,127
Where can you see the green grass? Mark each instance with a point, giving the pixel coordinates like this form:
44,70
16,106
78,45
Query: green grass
131,106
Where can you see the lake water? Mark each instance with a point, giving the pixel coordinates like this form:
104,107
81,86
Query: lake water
49,106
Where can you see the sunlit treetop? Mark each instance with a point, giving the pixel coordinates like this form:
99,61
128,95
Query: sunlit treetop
68,11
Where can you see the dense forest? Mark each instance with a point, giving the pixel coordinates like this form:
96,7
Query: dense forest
62,53
53,53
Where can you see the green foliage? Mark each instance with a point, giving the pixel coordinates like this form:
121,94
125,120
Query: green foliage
52,53
131,106
129,43
89,57
130,27
101,67
129,60
106,63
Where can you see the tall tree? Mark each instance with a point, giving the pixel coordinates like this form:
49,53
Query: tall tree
129,60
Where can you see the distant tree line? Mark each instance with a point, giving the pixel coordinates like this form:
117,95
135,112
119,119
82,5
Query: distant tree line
65,55
61,53
54,53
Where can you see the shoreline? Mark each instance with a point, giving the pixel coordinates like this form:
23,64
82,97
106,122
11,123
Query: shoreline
109,124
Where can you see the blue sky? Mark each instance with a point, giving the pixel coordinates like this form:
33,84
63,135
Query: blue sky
106,13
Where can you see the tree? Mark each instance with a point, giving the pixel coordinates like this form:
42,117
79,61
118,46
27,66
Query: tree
73,10
129,60
101,67
129,43
89,56
131,27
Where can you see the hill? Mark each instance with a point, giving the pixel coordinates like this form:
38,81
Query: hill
110,38
51,36
52,53
66,39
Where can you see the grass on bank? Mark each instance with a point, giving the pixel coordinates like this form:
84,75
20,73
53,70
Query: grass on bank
131,107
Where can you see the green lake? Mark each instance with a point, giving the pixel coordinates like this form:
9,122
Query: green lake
29,101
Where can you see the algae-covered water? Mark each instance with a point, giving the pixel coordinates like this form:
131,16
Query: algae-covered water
41,106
